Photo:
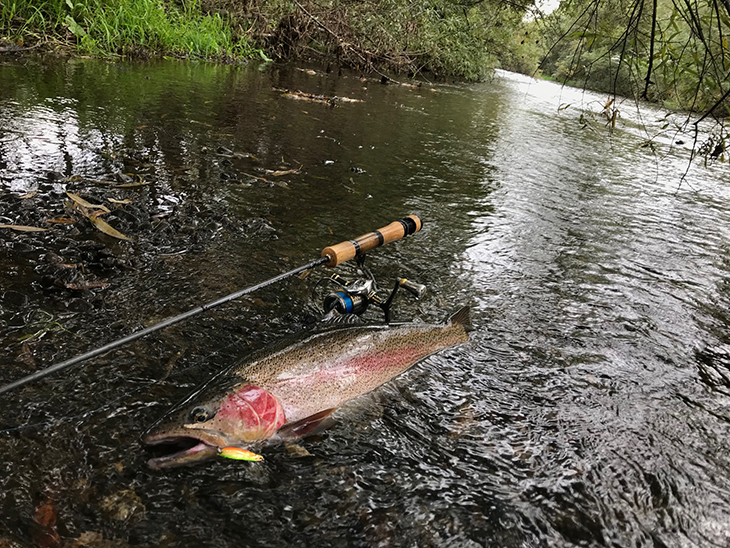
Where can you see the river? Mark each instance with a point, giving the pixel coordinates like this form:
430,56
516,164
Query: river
591,406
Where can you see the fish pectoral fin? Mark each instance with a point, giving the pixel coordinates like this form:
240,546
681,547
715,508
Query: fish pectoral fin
309,426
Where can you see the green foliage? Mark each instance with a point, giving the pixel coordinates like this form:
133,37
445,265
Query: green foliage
448,38
439,36
677,54
124,26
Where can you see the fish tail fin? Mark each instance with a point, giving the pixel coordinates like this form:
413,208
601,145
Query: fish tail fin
462,317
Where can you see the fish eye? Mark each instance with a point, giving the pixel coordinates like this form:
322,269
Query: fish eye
200,414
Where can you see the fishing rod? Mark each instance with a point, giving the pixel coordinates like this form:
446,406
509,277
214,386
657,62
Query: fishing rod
331,256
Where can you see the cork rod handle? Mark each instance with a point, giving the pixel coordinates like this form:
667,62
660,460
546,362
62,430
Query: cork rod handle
344,251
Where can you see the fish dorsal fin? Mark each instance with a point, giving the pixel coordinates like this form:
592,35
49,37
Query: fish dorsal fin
308,426
462,317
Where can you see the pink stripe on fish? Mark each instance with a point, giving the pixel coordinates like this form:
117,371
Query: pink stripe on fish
258,410
303,395
385,360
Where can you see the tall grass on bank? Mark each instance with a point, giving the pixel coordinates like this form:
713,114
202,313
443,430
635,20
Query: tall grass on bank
124,26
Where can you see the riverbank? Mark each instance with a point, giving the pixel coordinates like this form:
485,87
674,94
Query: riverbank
441,40
136,28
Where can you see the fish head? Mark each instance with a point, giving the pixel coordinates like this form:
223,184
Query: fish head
203,424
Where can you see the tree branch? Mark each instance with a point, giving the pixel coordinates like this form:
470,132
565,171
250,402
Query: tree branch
651,51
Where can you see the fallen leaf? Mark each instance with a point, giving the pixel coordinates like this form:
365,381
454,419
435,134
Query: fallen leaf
28,195
255,177
45,514
132,185
46,536
80,201
81,286
297,450
285,172
21,228
95,213
61,221
114,201
348,100
125,505
107,229
25,356
89,539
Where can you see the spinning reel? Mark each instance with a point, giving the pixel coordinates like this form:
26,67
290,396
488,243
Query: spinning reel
356,295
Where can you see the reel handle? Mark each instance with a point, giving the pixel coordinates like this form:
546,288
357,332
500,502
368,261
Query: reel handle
415,289
344,251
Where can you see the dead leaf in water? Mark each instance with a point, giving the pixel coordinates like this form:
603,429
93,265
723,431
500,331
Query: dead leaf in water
297,450
22,228
123,506
86,285
107,229
25,356
28,195
61,221
80,201
284,172
94,214
464,421
114,201
87,539
132,185
45,517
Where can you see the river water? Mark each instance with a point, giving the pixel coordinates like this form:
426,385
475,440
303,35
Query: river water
591,406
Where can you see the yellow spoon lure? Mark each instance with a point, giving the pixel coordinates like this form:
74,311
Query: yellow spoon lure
236,453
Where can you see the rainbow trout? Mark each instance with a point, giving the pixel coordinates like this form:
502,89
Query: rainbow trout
287,392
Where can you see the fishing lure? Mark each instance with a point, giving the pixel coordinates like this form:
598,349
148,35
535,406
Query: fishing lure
236,453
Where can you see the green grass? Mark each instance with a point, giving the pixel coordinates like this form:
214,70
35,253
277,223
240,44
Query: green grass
124,27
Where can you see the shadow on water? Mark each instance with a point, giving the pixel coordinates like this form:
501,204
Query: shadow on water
590,407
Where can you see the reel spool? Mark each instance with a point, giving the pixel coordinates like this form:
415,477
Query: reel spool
355,296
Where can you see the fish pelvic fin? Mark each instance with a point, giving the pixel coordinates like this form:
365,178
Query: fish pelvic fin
462,317
308,426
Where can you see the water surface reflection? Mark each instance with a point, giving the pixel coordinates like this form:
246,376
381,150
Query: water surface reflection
590,407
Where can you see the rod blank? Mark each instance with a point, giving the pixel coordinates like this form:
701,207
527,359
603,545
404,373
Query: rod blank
331,256
165,323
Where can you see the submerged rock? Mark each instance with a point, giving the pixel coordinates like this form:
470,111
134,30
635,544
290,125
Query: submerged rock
124,505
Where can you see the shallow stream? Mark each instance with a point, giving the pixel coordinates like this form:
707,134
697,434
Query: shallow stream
591,406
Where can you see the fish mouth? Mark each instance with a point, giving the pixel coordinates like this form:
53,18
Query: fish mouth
181,449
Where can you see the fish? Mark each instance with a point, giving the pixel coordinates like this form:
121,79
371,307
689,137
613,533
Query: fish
289,390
